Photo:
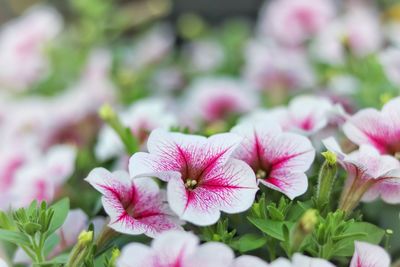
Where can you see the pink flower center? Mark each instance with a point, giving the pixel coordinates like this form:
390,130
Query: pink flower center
190,184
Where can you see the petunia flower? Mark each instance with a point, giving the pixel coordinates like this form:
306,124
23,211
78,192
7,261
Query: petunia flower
380,129
293,22
141,118
217,99
22,43
370,175
270,67
305,114
41,177
358,31
178,248
202,177
135,207
368,255
279,159
3,263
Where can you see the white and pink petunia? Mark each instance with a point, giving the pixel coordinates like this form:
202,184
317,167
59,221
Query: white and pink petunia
368,255
178,248
292,22
213,99
279,159
380,129
370,175
203,179
305,114
135,207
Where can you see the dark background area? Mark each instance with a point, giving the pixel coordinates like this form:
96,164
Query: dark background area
211,10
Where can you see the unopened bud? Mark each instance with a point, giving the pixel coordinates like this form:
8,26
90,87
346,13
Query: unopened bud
106,112
85,237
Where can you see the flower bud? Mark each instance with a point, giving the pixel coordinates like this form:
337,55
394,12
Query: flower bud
326,179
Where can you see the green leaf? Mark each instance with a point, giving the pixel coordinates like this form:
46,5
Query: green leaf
51,242
248,242
358,231
14,237
61,209
60,259
269,227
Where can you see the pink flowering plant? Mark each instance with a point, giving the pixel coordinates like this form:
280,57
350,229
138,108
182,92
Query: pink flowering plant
135,135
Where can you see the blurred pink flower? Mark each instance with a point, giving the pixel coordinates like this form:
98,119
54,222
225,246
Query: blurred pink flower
135,207
178,248
272,67
41,177
369,175
202,177
305,114
278,159
142,117
380,129
368,255
22,43
212,99
358,31
293,22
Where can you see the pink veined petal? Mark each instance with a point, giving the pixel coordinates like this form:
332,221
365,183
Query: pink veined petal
142,197
391,113
256,140
301,260
290,184
211,254
101,179
368,126
232,186
151,214
194,207
251,261
188,154
368,255
388,188
135,255
291,151
147,165
284,156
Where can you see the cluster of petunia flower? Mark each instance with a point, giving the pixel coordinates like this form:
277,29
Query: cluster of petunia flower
201,142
